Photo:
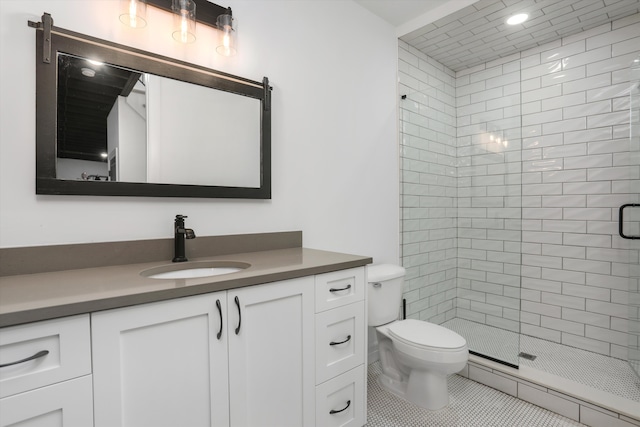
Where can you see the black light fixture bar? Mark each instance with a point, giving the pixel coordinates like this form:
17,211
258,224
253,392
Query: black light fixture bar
206,12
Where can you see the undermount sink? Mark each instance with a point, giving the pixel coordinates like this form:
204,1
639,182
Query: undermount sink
190,270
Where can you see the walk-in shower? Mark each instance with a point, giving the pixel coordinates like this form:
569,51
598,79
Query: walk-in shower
513,173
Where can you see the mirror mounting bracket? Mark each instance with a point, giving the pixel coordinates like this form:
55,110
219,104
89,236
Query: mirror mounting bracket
46,25
267,94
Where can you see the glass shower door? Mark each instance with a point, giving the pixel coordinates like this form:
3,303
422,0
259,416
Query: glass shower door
631,224
461,217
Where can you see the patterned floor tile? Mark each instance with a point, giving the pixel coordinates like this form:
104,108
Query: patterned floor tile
605,373
471,405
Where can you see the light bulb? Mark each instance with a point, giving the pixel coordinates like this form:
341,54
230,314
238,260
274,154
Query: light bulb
227,26
184,29
133,13
184,21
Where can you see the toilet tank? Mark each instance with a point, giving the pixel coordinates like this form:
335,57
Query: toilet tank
384,293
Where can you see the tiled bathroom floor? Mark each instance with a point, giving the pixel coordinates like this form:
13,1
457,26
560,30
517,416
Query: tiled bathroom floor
605,373
471,405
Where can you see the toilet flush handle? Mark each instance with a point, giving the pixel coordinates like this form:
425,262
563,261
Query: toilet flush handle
377,285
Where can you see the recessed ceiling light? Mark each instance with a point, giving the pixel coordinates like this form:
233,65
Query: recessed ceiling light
88,72
517,19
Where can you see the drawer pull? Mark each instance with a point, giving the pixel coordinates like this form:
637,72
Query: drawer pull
333,411
220,312
340,342
346,288
38,355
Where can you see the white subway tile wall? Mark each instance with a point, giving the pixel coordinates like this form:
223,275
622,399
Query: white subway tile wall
516,168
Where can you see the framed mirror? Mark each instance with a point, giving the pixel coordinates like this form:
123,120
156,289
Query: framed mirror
117,121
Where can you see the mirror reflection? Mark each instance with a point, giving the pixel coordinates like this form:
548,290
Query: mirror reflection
118,124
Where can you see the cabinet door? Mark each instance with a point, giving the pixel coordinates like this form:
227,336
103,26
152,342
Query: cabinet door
67,404
271,357
162,364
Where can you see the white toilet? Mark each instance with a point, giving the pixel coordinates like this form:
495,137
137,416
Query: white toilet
415,356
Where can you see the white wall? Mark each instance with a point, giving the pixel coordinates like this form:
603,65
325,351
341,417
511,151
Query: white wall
335,177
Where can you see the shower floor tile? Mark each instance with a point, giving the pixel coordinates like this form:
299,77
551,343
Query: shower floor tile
471,405
601,372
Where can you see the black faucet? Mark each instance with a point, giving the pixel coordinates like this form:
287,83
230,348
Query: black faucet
181,233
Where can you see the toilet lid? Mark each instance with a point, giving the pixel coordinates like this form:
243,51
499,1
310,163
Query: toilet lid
425,334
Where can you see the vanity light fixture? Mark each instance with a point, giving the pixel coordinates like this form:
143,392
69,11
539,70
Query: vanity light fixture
133,14
184,20
517,19
227,35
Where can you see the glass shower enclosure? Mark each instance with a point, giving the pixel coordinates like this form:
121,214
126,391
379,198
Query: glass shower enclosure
467,193
461,216
631,225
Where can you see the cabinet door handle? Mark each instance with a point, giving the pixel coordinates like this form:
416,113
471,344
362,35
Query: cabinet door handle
340,342
239,315
333,411
340,289
38,355
219,312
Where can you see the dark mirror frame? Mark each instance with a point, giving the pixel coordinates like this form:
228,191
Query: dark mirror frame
65,41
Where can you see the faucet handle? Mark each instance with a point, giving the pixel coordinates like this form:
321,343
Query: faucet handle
181,216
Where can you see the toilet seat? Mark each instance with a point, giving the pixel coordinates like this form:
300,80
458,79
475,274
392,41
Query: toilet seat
426,336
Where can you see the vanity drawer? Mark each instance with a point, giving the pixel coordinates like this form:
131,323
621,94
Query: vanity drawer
341,401
339,288
340,340
68,404
67,342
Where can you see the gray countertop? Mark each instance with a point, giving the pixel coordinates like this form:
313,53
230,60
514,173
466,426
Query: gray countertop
32,297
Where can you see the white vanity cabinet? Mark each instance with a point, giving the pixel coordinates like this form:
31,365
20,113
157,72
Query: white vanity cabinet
45,374
282,354
173,363
340,348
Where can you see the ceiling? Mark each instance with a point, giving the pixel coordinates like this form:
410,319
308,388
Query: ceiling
84,102
398,12
478,33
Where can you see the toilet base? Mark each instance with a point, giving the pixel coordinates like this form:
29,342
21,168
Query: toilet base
423,388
